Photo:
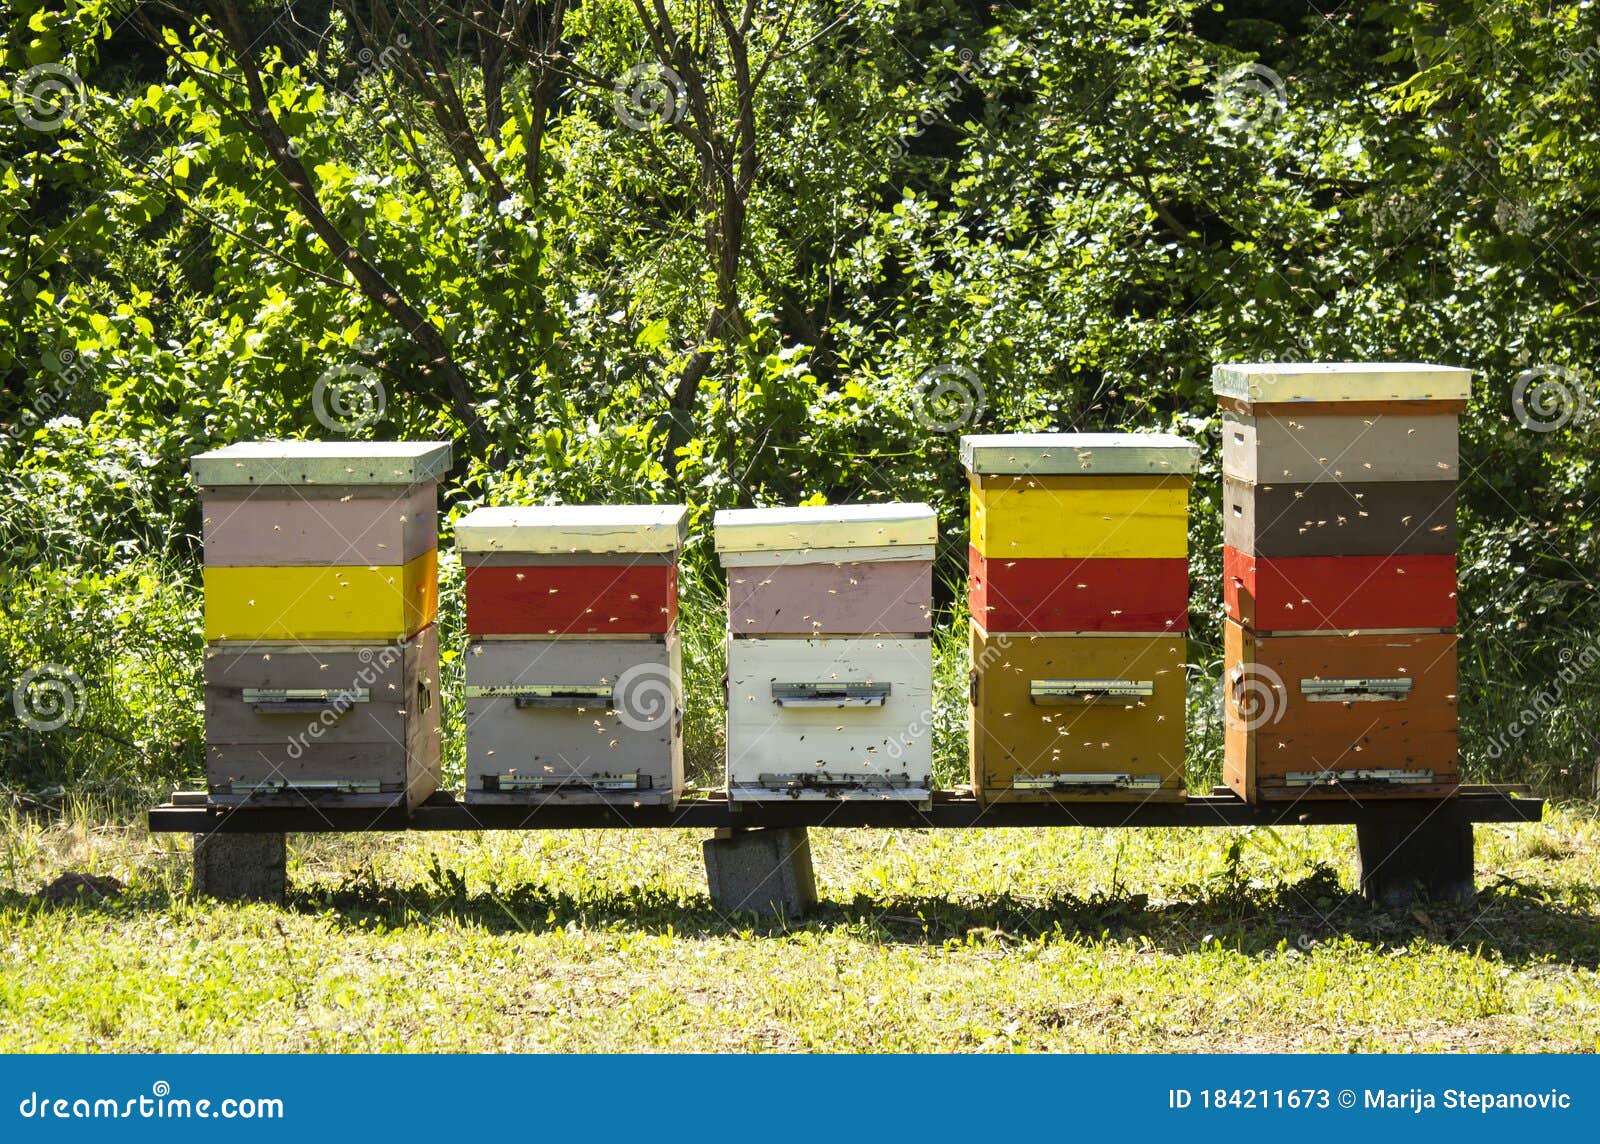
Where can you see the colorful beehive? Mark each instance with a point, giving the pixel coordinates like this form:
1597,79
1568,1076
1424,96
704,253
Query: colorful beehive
322,666
574,682
1339,566
830,664
1079,591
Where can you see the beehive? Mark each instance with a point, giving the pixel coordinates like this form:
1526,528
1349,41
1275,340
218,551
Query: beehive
830,665
1078,586
573,670
321,590
1339,565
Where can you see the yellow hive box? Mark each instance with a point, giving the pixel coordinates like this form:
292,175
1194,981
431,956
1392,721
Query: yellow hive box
1071,717
353,602
1079,517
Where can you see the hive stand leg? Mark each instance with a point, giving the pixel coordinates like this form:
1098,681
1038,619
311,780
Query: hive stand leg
763,871
241,867
1399,858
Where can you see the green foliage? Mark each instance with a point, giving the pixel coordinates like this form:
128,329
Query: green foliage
1069,210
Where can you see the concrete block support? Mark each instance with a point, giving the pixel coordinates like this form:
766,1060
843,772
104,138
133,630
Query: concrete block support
241,867
764,871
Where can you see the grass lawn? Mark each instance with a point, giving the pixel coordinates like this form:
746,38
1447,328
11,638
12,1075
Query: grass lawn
931,941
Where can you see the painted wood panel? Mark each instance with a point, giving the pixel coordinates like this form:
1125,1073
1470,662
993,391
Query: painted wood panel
1351,593
571,599
1340,519
1290,448
556,529
1078,595
1338,408
1056,518
322,463
862,554
811,718
1279,732
825,526
533,737
344,725
1158,454
1037,720
876,598
343,603
1341,381
375,524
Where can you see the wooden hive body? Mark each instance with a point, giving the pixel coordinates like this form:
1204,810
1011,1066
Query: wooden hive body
1377,713
575,720
340,724
836,718
1071,717
572,570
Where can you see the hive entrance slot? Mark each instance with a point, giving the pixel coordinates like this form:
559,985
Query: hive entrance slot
1055,692
1350,778
508,783
1355,690
304,700
309,787
1101,781
830,694
546,694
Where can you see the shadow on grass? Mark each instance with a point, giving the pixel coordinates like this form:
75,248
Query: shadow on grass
1518,921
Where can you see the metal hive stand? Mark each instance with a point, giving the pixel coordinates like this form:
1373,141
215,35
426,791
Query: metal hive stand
759,856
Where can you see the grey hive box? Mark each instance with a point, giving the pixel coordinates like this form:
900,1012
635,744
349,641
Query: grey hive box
575,720
829,570
331,724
